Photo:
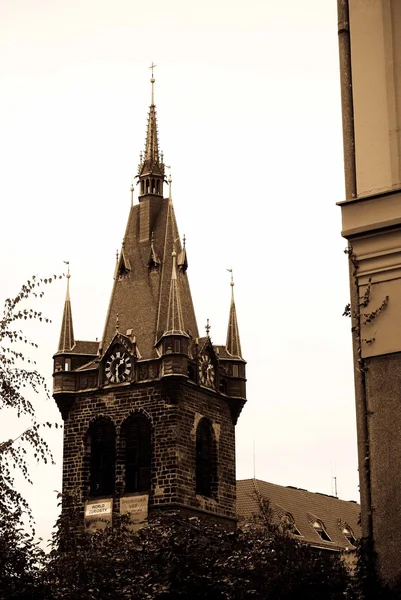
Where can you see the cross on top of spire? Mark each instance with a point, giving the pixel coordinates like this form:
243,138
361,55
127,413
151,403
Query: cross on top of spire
67,262
152,81
152,66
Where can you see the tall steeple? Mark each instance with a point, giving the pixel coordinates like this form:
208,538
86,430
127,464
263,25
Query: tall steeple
233,344
147,283
151,167
67,341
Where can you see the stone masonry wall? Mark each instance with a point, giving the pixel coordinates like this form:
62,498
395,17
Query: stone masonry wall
174,408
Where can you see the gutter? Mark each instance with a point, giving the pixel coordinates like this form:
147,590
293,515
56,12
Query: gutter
344,44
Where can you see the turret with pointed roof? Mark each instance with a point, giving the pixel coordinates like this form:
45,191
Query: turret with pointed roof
67,342
233,344
175,319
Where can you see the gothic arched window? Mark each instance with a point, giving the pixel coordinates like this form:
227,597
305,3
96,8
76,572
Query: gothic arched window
205,459
102,458
136,433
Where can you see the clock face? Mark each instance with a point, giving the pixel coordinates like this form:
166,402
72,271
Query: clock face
206,371
118,367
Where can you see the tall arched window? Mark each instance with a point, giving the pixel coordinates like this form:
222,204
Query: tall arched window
136,434
205,459
102,458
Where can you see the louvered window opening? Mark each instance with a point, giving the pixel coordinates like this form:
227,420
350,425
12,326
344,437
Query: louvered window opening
137,455
204,459
103,459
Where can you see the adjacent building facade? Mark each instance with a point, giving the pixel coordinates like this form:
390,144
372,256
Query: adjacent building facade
150,411
370,65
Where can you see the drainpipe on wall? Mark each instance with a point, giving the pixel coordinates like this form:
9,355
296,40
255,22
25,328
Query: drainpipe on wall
344,44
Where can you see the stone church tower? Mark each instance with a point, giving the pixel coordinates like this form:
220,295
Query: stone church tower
150,411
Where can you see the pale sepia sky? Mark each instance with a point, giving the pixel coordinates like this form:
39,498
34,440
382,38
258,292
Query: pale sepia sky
248,103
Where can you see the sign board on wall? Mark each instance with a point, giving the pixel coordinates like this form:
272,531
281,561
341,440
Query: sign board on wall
98,513
98,508
136,506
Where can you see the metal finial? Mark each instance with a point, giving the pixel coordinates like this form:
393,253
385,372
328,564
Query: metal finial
117,323
169,180
132,193
184,241
162,156
116,255
67,262
152,81
207,327
232,277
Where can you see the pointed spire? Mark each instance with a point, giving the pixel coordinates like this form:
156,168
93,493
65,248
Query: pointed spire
182,261
151,167
233,344
152,141
175,321
67,341
123,265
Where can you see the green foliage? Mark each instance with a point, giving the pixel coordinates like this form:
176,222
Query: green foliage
20,556
188,558
20,560
18,379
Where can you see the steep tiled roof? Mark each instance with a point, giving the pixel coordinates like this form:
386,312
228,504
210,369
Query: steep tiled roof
140,297
85,347
305,507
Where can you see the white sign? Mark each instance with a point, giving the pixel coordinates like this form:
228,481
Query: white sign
95,509
136,506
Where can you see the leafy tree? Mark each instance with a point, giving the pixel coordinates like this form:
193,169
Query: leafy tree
188,558
19,380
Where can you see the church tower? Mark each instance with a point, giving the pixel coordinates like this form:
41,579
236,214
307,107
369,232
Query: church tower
150,411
